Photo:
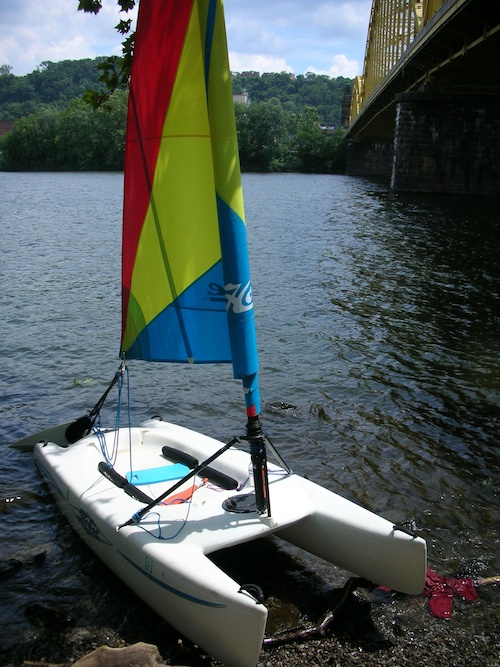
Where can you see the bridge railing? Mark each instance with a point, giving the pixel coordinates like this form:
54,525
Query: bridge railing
394,24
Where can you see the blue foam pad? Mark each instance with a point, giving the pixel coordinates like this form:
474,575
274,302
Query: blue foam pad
154,475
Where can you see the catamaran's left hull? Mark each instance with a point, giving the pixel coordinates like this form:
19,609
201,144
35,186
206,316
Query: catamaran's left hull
176,580
164,557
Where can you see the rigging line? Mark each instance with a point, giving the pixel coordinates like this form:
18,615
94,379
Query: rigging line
129,421
156,218
97,407
99,434
84,425
117,421
170,537
183,521
110,458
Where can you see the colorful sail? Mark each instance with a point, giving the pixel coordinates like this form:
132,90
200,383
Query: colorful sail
186,287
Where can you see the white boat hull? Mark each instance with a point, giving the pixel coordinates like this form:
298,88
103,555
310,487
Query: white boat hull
163,559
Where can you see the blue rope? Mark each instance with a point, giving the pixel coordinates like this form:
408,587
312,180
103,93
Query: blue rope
110,458
129,422
160,536
184,521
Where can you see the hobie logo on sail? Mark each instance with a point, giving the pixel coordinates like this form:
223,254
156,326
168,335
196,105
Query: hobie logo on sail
239,297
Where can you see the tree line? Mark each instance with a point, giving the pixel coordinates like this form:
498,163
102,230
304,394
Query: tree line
76,138
79,138
278,131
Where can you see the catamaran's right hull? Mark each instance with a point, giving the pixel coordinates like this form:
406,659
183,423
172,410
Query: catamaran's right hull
164,557
359,541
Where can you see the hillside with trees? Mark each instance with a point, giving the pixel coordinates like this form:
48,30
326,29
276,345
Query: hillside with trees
50,85
287,124
325,94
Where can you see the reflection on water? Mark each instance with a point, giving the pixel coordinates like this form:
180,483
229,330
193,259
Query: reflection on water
378,320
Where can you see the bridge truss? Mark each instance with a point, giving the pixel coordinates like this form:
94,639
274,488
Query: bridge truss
451,46
394,24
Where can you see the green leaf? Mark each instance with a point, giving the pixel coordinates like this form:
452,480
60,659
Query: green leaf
126,5
90,6
124,26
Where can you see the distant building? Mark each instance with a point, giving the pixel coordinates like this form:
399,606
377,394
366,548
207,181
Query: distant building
242,98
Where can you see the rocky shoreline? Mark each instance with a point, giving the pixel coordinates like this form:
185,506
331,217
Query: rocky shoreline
370,630
360,626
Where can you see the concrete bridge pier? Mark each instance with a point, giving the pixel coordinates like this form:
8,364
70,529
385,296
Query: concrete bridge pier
370,157
445,142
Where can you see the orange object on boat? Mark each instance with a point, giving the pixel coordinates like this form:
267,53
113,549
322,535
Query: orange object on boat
182,496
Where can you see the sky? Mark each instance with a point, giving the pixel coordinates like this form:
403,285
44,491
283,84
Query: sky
299,36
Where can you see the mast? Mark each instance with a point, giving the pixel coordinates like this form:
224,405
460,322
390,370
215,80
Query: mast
236,268
185,268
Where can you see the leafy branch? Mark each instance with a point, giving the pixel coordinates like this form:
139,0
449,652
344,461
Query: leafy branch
115,69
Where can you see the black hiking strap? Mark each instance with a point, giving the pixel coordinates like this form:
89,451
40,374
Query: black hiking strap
122,483
83,425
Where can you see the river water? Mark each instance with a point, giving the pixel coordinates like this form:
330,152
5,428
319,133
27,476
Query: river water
378,320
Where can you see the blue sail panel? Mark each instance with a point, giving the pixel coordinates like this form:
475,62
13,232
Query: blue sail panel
192,329
238,288
240,312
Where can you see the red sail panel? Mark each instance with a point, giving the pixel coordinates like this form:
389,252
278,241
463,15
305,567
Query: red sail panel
152,82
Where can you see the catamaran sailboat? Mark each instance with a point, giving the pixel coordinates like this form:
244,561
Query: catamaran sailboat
153,501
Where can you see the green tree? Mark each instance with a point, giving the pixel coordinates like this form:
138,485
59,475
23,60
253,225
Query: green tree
110,127
337,152
50,85
262,133
318,150
297,93
310,140
75,138
30,144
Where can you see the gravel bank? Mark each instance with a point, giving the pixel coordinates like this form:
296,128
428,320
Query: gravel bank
367,632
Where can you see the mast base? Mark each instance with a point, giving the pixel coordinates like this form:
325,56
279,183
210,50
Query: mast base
244,504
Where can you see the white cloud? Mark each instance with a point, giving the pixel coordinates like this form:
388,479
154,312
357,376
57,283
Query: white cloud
341,66
342,19
7,46
243,62
55,30
324,36
68,49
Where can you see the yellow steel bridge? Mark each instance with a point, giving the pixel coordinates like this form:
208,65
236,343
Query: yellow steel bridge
454,44
426,110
